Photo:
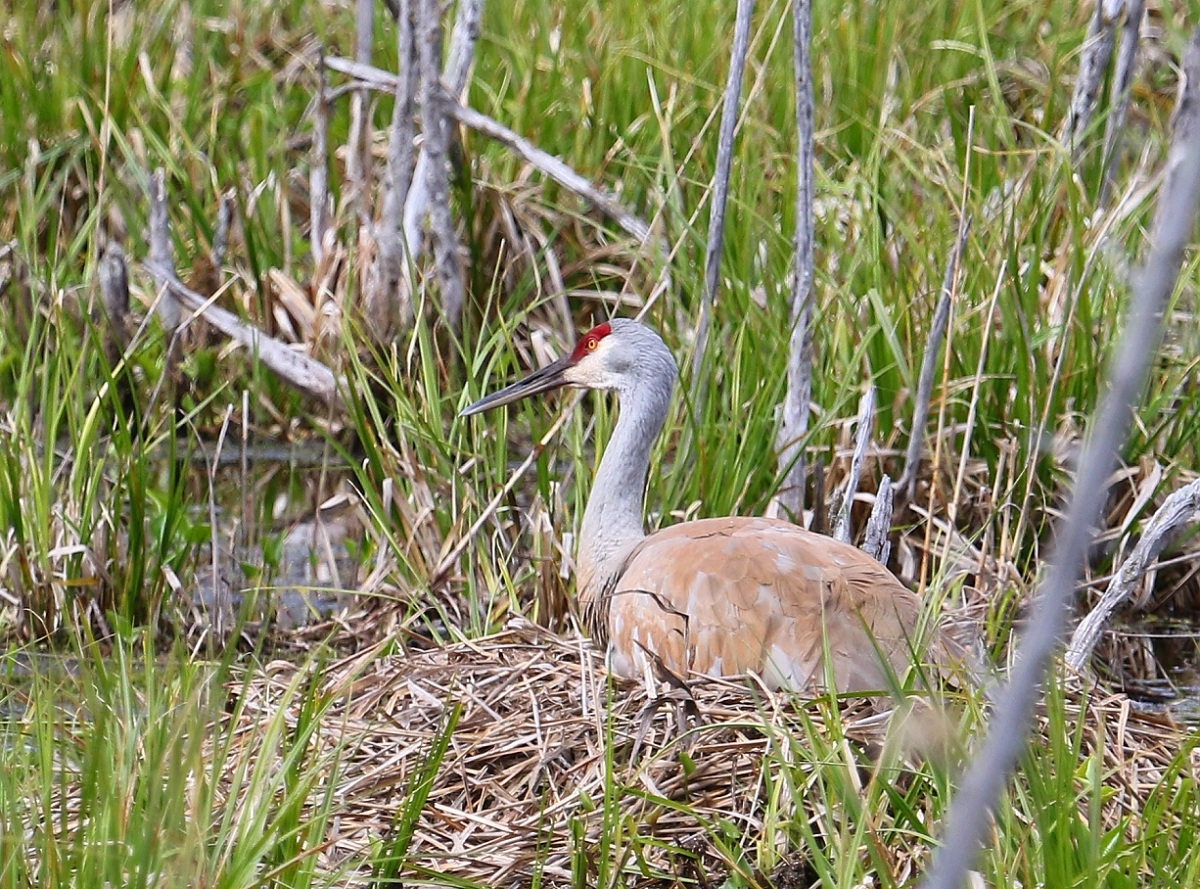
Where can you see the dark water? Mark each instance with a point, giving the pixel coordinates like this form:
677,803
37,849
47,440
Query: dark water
287,529
1157,662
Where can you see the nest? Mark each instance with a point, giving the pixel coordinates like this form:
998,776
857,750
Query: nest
536,766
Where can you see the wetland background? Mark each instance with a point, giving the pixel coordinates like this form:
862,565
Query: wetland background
255,637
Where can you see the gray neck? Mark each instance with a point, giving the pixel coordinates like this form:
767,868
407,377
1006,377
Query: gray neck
612,522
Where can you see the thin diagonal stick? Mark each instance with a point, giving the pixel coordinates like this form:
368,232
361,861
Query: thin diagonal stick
967,818
796,402
716,221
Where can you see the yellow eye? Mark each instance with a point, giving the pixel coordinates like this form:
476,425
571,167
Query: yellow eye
592,343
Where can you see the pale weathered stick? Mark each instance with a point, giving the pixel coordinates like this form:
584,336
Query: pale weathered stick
389,234
933,349
462,53
114,300
797,402
220,245
222,595
358,140
1178,509
720,192
544,162
304,373
436,148
298,370
604,201
318,181
966,820
1097,50
879,525
161,251
862,440
463,38
114,291
1118,104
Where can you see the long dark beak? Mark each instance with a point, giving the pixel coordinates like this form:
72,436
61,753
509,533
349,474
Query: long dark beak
549,377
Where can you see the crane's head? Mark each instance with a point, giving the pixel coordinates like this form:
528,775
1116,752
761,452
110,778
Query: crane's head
620,354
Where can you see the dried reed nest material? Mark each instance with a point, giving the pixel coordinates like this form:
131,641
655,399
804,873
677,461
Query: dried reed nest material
527,765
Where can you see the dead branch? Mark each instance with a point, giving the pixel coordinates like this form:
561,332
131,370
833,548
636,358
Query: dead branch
462,53
1119,94
1097,51
968,816
393,301
113,276
604,201
114,291
544,162
797,401
720,192
298,370
436,149
879,525
358,140
933,349
862,440
463,38
1178,509
319,209
220,244
161,251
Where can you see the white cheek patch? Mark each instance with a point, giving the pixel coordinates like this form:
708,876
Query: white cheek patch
591,371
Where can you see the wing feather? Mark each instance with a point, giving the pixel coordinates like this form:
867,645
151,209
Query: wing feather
732,595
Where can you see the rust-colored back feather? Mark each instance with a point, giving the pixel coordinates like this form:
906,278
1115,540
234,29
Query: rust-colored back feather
730,595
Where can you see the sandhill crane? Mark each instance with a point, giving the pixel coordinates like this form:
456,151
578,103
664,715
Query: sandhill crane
718,596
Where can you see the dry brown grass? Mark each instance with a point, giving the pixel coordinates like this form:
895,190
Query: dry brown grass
545,761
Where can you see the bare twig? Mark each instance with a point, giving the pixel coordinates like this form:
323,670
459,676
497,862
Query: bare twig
447,562
220,245
394,300
462,46
367,76
114,291
879,525
1119,95
796,403
319,209
161,251
604,201
299,370
720,197
967,819
937,335
462,52
436,124
862,440
358,141
222,595
547,164
1093,63
114,299
1178,509
295,368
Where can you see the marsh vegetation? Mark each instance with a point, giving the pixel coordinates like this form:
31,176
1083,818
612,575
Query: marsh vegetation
441,720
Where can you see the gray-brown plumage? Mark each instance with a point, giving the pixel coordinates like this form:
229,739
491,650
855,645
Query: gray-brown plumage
721,596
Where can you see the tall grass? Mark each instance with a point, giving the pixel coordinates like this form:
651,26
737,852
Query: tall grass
120,768
95,523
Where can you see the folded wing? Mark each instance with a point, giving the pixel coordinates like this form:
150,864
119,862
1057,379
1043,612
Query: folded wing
726,596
